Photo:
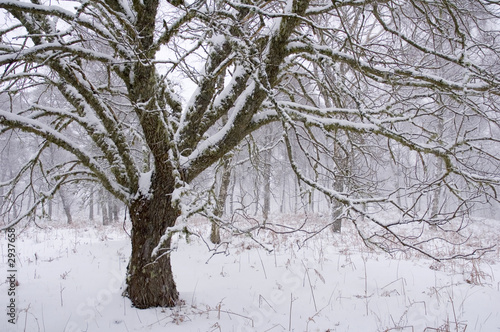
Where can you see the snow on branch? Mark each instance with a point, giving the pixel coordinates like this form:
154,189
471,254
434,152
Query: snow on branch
36,127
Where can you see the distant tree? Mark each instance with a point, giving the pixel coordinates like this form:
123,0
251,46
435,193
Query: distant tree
220,200
91,204
118,69
66,204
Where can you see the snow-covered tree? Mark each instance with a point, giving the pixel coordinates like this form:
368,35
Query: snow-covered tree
132,123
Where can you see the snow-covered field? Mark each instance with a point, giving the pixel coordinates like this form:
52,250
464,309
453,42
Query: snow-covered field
71,279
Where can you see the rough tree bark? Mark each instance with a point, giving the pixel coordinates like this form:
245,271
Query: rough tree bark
150,281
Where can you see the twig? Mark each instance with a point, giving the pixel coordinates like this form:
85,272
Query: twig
454,313
262,263
310,286
26,317
263,298
61,291
269,329
124,221
234,313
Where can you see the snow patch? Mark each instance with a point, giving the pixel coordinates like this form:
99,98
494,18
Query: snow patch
145,183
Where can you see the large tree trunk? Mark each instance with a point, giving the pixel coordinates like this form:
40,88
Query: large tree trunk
150,282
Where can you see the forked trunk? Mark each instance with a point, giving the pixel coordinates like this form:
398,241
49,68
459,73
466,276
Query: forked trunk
150,282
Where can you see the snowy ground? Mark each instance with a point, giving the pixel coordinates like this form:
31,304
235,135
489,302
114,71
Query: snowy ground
71,279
